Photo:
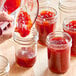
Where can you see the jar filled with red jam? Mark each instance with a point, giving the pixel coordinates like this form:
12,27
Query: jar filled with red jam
45,23
26,49
69,26
59,50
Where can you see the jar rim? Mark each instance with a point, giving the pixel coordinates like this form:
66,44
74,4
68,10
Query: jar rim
70,18
58,45
42,2
6,67
26,40
51,9
64,5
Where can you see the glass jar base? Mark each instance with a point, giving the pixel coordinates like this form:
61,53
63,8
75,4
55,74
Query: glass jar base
21,67
57,72
73,50
73,54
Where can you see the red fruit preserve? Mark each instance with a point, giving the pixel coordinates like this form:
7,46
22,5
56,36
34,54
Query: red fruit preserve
58,52
26,57
45,24
70,28
24,24
11,6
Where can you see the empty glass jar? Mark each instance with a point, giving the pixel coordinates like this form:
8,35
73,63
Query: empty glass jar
4,66
67,8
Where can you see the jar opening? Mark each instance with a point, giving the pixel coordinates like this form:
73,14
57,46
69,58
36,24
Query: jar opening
49,20
67,6
31,38
48,9
59,34
67,21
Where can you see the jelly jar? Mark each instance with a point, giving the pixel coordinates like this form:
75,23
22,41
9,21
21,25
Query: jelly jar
26,49
45,23
59,49
69,26
67,8
4,66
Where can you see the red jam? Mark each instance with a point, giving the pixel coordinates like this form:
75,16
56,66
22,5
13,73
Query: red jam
26,57
58,56
71,29
45,24
24,24
11,6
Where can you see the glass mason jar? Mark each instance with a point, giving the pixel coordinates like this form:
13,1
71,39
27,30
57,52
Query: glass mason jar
4,66
45,23
69,26
52,3
67,8
59,49
26,49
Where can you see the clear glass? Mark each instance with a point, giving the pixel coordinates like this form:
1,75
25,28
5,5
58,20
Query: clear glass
59,49
26,49
50,3
44,3
45,25
29,6
4,66
72,31
67,8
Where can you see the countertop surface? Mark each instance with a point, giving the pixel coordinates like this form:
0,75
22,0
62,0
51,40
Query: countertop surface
41,66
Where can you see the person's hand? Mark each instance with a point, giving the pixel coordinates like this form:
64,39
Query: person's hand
4,17
6,26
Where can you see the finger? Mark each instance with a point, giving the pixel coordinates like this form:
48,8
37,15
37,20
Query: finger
2,2
5,17
6,28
